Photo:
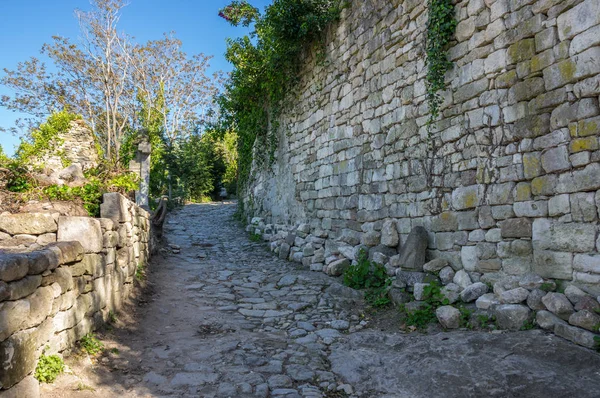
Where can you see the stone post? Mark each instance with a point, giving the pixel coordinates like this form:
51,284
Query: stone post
141,166
144,150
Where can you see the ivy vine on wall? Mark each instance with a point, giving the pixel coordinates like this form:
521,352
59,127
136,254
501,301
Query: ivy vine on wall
266,67
440,32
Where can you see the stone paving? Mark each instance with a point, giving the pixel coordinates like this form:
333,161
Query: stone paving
230,319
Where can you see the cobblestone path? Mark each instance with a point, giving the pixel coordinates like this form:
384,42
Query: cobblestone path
229,319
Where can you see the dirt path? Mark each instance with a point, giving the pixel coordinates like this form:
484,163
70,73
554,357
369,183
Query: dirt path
226,318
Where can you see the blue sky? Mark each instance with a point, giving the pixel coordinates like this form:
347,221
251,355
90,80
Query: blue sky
28,24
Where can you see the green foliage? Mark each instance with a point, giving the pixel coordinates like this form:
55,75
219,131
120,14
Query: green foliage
140,272
465,317
422,317
548,286
528,325
255,237
17,177
369,276
90,344
266,67
45,137
112,317
597,341
433,299
440,31
48,368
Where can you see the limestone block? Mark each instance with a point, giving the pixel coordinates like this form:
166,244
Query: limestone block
556,159
62,276
13,314
583,207
467,197
28,223
558,304
28,387
587,263
17,358
115,207
546,39
559,205
576,335
24,287
84,230
13,266
516,228
547,320
389,234
514,296
569,237
70,252
578,19
473,292
573,69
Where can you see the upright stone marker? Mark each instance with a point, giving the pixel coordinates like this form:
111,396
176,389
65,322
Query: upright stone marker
141,166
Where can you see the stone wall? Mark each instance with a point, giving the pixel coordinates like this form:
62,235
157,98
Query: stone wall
506,185
53,295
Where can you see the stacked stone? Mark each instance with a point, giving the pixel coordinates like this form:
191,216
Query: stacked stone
27,231
51,297
77,145
506,184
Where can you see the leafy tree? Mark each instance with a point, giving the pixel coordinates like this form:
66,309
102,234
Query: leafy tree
104,76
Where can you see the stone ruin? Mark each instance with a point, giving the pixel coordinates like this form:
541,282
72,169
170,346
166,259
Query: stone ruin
77,146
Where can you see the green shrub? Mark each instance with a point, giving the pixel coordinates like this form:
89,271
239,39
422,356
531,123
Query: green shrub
48,368
90,344
369,276
45,136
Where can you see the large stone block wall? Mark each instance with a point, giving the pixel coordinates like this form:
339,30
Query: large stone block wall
508,183
51,296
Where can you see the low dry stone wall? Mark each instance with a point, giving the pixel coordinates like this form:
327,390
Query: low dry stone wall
51,296
506,185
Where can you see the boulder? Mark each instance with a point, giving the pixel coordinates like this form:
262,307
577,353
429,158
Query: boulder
514,296
512,316
462,279
487,301
338,267
585,319
436,265
448,316
473,292
574,294
534,300
451,292
531,281
558,304
547,320
447,275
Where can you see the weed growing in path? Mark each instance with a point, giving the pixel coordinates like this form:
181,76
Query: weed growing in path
90,344
369,276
